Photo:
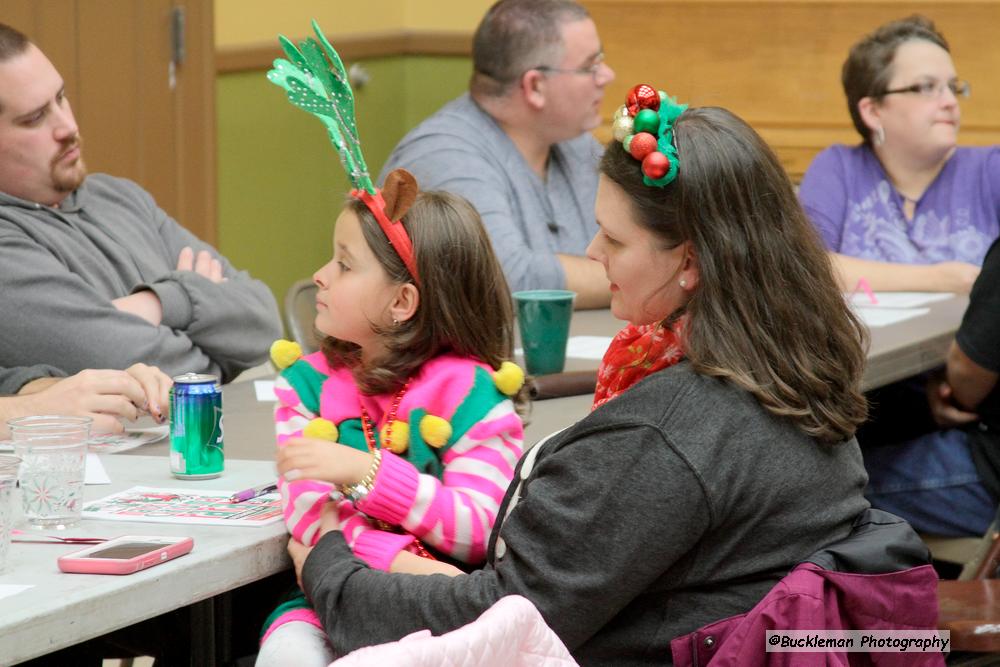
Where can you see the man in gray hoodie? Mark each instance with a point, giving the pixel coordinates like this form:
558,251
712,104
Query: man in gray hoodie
94,274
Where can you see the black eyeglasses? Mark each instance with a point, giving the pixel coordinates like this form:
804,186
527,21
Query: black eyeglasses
933,89
592,69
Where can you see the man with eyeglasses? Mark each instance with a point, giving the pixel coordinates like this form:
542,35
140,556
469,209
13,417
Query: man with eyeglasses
518,144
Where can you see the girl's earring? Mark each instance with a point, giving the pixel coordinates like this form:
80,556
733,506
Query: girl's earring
395,322
879,135
683,283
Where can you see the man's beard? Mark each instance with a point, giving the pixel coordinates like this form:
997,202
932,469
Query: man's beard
67,178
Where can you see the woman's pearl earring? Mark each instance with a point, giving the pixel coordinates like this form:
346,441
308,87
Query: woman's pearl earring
683,283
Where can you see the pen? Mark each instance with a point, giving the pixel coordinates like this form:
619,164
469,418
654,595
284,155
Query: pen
253,492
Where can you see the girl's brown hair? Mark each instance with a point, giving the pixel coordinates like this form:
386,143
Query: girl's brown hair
766,314
465,304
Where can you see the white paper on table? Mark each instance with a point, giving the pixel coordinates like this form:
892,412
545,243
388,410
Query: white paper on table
898,299
6,590
587,347
265,391
112,443
882,317
95,472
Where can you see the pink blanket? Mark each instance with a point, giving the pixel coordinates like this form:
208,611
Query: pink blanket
511,633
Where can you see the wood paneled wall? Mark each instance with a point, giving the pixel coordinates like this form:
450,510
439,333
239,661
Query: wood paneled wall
777,63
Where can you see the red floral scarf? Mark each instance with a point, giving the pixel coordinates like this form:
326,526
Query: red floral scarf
637,351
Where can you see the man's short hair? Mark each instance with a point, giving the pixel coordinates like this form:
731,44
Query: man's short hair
516,35
13,42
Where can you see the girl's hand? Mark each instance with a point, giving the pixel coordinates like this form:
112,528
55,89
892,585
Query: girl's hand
309,458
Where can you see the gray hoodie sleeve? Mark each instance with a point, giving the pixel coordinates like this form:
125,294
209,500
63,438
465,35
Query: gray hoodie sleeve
234,322
12,379
57,299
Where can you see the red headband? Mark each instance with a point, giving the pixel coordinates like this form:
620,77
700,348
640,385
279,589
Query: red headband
393,229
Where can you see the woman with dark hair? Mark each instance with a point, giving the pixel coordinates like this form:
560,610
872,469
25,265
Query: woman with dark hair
720,453
907,209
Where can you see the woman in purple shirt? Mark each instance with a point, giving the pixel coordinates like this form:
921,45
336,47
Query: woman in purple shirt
908,209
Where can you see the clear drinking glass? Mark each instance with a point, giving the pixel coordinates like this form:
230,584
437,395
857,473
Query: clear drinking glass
8,480
53,452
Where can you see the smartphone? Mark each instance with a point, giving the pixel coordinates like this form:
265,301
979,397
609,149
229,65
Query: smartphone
125,555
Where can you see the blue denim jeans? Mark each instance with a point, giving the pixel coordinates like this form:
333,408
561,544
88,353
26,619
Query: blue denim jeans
931,481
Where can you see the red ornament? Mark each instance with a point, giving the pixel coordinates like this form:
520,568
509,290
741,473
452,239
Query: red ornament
656,165
642,145
642,96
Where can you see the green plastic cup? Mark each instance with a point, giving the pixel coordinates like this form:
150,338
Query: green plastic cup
543,317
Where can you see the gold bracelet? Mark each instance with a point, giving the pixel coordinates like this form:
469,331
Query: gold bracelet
364,486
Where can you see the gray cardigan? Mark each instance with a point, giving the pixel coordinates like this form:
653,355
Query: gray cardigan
62,267
678,503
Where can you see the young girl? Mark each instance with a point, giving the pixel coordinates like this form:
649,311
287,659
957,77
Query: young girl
406,409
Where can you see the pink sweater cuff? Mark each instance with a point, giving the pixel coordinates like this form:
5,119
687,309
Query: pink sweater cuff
378,548
394,491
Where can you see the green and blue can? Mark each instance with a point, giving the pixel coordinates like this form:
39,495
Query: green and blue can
196,450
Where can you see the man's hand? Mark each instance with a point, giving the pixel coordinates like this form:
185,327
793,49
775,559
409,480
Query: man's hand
945,412
156,387
310,458
104,396
204,264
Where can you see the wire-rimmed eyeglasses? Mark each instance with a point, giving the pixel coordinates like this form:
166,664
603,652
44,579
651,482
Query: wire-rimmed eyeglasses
933,89
592,69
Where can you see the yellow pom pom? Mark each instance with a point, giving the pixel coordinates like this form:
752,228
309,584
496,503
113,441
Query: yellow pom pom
323,429
435,431
284,353
509,379
399,437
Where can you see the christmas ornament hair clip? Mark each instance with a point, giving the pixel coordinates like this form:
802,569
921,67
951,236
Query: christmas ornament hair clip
315,80
645,126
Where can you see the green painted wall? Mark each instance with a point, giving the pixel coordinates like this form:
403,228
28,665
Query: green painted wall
281,186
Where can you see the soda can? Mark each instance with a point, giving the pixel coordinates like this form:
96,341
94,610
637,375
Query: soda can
196,450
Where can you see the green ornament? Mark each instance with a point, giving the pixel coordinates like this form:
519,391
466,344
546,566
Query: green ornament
315,80
627,143
646,120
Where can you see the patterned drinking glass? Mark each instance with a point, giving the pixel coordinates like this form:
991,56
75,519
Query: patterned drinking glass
8,480
53,452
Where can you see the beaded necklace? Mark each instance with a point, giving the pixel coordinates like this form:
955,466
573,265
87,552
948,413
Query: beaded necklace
369,430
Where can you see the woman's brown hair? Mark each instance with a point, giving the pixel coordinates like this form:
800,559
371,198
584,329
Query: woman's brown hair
465,304
868,68
766,314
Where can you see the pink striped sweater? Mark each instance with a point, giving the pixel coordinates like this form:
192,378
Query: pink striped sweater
446,494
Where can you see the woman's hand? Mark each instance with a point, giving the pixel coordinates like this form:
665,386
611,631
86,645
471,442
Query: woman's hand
309,458
956,276
299,552
156,386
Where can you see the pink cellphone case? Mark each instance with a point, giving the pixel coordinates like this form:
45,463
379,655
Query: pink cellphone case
79,562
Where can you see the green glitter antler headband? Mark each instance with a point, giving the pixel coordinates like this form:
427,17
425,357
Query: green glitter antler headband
645,126
315,80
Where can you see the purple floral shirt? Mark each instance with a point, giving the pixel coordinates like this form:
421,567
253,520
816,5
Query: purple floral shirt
858,212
